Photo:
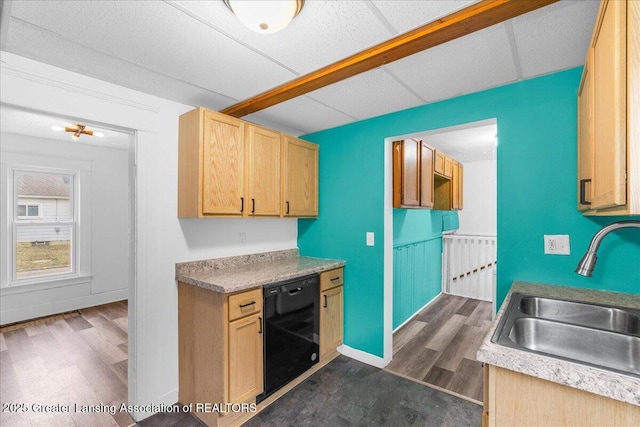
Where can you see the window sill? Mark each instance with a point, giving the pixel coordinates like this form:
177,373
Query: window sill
32,285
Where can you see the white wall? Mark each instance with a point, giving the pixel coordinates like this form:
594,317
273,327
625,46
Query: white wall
108,230
161,239
478,216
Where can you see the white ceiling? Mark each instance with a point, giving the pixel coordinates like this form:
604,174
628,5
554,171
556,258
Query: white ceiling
32,123
467,143
197,53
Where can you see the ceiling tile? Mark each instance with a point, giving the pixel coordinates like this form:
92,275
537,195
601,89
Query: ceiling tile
367,95
324,32
302,113
475,62
156,36
405,15
555,37
30,42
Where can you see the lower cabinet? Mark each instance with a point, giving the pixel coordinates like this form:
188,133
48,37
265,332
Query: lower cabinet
515,399
331,312
219,350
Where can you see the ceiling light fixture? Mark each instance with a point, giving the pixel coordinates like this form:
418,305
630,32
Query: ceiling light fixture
78,130
57,128
265,16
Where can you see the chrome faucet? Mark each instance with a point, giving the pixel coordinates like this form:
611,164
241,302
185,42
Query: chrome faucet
588,261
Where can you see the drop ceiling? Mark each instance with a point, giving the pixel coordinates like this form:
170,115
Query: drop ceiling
197,53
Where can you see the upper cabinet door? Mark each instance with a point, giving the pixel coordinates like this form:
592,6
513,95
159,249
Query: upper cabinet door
223,164
610,73
300,181
406,173
455,185
427,158
264,172
585,135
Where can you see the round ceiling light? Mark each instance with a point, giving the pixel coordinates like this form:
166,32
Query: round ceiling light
265,16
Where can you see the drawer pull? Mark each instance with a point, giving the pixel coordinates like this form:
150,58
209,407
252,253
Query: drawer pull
335,279
247,304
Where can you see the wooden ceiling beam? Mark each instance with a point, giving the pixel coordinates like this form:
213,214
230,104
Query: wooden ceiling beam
458,24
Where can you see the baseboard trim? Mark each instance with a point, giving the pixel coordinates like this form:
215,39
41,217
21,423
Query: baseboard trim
364,357
416,313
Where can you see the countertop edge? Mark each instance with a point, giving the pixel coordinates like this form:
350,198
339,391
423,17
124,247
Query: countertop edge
326,265
598,381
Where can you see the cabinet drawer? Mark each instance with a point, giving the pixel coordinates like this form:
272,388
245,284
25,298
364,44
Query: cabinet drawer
244,304
331,278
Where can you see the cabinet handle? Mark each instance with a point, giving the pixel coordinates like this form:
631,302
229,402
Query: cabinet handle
241,204
247,304
253,205
335,278
260,320
287,212
325,301
583,198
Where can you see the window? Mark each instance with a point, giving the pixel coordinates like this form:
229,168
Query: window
44,224
28,211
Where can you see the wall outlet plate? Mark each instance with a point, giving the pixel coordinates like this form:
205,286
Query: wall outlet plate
557,244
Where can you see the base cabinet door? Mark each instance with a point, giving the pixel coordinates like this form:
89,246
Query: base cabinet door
245,358
330,321
515,399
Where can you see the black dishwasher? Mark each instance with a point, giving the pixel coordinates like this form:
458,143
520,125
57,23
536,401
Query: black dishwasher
291,328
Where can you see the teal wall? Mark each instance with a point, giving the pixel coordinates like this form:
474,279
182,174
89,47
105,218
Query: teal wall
417,258
536,196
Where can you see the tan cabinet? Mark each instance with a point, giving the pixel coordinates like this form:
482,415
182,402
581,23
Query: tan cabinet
231,168
413,164
331,312
515,399
438,166
455,185
264,171
219,349
300,178
608,114
448,192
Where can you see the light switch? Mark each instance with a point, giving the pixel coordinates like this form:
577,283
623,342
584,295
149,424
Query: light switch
370,238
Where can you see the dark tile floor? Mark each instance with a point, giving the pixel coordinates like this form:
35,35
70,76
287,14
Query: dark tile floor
350,393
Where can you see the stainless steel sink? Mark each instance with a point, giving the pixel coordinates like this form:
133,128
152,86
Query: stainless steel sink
598,335
594,346
577,313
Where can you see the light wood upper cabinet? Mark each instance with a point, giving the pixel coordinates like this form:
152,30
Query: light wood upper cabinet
331,311
300,178
231,168
585,135
609,114
264,171
211,164
456,185
413,163
438,166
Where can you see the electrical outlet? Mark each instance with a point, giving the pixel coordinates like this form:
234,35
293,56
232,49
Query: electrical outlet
557,244
370,238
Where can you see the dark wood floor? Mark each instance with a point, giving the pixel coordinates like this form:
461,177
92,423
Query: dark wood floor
439,345
75,360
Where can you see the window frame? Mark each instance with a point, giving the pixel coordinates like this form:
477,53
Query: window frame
15,222
27,206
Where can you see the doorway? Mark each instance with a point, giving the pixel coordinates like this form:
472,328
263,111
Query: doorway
444,260
68,262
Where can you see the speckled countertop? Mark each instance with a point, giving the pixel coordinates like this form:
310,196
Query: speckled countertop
232,274
599,381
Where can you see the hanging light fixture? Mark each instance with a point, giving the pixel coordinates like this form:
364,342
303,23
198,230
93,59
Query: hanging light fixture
265,16
78,130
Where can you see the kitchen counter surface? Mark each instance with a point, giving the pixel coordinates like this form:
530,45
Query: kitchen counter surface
605,383
232,274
